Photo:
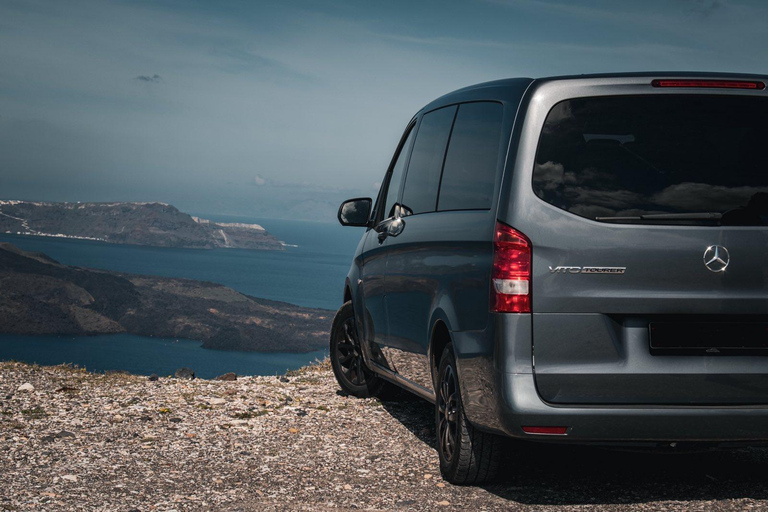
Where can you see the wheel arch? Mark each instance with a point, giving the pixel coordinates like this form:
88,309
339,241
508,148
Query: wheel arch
439,338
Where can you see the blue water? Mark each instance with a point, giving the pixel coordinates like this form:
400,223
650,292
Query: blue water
145,356
310,275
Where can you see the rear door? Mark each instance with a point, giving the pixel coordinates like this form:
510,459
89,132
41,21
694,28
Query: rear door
649,223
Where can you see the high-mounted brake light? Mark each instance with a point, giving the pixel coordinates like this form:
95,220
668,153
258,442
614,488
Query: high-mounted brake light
511,274
710,84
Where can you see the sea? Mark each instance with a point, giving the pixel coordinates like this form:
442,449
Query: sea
309,272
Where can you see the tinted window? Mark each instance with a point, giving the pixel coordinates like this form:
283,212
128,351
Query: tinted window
396,178
657,159
469,173
423,178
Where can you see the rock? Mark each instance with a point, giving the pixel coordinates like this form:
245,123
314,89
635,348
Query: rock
153,377
26,387
284,379
69,478
53,437
301,412
227,376
185,373
175,420
216,401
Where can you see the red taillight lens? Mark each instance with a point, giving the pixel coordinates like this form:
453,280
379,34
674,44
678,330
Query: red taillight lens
711,84
552,431
511,274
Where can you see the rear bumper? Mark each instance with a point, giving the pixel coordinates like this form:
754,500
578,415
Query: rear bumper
520,405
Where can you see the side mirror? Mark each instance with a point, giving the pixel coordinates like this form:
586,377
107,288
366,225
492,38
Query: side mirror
355,212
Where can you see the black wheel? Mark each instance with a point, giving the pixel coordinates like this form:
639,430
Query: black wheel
350,370
467,455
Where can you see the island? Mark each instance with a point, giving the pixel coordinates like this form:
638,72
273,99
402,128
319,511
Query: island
42,296
153,224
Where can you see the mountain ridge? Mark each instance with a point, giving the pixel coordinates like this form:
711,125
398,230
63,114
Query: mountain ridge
133,223
43,296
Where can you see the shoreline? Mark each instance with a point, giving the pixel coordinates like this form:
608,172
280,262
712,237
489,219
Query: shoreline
144,356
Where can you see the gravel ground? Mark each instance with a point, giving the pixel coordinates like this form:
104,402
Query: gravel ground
82,441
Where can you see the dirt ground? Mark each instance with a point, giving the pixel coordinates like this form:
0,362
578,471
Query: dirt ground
82,441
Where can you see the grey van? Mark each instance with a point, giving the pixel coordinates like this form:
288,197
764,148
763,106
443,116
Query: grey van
576,259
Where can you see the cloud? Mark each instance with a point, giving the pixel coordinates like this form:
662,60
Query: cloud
549,176
155,79
706,8
704,197
260,180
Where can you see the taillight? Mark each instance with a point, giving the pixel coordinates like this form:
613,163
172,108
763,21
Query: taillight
511,274
710,84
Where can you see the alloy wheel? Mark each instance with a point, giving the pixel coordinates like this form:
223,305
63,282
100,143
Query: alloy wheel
447,410
348,354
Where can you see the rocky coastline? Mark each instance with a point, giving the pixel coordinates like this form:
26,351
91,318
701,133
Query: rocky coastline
149,224
42,296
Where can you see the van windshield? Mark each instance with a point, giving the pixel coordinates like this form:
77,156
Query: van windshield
657,159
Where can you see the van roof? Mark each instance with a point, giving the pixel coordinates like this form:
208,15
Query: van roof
513,88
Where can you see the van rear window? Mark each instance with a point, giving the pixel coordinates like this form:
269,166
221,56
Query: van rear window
659,159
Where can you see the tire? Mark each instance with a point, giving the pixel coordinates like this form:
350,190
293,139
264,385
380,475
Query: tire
467,455
352,374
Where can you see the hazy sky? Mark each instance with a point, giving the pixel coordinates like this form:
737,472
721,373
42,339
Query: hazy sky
282,108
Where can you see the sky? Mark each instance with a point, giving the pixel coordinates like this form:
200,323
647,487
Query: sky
283,109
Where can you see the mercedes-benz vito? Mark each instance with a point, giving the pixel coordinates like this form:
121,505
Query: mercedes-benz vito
576,259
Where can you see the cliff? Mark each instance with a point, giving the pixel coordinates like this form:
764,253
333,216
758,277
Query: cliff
154,224
41,296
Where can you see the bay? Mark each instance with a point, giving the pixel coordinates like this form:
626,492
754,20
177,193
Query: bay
311,274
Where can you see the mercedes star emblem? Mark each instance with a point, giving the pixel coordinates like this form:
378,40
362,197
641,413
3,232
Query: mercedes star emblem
716,258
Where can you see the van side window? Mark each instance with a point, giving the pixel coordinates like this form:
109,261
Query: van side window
396,177
423,177
469,173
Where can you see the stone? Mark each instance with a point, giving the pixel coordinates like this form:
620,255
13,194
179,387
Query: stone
26,387
60,435
284,379
175,420
69,478
153,377
185,373
227,376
